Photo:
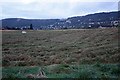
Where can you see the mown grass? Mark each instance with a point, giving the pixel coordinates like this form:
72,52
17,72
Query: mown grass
82,53
59,47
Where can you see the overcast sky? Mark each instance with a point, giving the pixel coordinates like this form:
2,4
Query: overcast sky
46,9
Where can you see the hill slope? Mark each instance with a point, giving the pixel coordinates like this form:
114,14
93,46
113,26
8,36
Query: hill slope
109,19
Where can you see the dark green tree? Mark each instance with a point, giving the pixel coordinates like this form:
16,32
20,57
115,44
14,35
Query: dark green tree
31,26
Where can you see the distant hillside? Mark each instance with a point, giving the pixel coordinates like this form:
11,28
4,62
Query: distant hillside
96,20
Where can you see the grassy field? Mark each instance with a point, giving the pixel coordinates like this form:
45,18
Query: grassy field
70,52
66,71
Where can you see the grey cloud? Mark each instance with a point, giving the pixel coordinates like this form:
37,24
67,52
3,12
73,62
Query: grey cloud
54,9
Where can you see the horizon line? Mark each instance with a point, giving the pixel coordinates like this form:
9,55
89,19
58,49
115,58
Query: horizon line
63,18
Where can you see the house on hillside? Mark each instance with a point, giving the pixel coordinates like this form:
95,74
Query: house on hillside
101,27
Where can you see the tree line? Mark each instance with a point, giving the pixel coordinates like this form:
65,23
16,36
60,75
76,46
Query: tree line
17,28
